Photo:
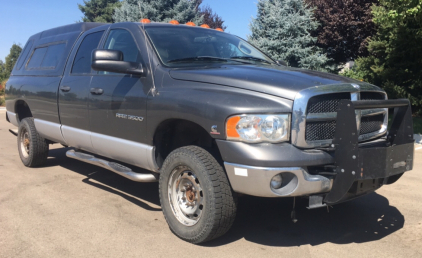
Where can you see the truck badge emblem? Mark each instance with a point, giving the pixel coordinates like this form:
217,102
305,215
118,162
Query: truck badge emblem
129,117
356,86
214,130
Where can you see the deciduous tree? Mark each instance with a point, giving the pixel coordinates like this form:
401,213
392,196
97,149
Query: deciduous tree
11,59
212,19
345,27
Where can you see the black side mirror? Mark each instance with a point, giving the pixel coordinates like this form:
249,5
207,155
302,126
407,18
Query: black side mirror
112,61
281,62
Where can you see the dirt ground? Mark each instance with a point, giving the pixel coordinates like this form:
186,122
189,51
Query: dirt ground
72,209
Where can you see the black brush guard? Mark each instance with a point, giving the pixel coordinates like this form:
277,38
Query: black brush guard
387,158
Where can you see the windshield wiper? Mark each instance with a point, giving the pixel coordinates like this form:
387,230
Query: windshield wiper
251,58
198,58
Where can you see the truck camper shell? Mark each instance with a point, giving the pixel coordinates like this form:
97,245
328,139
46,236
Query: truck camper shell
45,53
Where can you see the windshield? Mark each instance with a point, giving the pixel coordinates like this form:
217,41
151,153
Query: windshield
181,46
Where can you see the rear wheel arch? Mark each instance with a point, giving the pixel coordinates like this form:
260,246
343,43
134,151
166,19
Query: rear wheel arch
22,110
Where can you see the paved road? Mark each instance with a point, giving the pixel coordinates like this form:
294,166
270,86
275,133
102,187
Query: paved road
71,209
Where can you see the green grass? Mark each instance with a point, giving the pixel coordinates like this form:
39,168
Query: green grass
417,125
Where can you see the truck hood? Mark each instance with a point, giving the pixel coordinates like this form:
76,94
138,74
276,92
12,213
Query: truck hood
280,81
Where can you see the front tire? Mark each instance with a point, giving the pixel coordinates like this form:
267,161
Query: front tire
196,198
33,149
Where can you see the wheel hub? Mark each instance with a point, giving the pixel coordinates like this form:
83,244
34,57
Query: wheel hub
185,195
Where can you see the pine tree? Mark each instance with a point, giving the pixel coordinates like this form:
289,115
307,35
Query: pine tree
282,30
159,11
98,10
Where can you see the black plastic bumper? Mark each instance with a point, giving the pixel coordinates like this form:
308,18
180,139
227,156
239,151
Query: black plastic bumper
271,155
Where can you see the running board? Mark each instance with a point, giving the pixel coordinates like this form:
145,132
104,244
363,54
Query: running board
14,131
112,166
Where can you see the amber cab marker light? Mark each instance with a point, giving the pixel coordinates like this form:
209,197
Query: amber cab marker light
174,22
231,127
191,24
145,21
205,26
220,29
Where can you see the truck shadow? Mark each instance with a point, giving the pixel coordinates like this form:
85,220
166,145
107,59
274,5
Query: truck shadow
264,221
267,221
107,180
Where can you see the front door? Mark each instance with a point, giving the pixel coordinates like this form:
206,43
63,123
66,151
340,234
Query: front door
117,106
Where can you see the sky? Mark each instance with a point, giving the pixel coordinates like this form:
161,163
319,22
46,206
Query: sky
21,19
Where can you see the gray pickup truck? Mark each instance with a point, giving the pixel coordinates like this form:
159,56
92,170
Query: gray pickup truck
205,114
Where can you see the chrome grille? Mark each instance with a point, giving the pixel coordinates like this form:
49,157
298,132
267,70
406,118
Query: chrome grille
322,113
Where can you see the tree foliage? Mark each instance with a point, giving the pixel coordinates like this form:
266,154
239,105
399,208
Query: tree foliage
212,19
395,52
159,11
98,10
11,59
346,26
282,29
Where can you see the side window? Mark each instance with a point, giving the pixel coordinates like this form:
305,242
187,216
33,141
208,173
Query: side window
46,57
36,58
24,54
122,40
82,62
53,56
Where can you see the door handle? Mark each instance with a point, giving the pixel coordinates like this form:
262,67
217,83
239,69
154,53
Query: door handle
97,91
65,88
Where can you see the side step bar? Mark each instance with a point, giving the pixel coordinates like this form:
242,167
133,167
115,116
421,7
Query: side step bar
112,166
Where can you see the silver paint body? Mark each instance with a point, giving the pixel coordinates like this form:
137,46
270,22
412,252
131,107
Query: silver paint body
256,181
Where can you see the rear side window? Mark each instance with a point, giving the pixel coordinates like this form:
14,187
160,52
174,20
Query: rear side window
24,54
46,57
82,62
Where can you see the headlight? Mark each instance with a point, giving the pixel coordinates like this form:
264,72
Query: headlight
258,128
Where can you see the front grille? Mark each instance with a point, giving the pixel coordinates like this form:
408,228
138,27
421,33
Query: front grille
326,103
325,130
317,131
371,124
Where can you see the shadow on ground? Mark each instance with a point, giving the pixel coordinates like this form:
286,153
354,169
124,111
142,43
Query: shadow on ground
265,221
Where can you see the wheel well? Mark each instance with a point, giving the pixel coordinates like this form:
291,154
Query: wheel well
176,133
22,110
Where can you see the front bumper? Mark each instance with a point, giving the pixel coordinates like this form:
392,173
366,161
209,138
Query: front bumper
354,167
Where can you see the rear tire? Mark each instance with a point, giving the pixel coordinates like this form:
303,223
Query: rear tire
196,198
33,149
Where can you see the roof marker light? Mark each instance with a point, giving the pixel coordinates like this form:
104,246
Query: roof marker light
220,29
145,21
174,22
205,26
191,24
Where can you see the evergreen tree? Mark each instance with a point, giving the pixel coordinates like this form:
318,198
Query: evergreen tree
282,29
395,60
346,26
11,59
98,10
159,11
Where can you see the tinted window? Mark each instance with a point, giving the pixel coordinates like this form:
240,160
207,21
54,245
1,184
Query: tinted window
122,40
24,54
37,57
53,55
82,62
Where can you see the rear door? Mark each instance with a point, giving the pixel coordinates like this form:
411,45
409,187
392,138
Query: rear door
74,92
118,103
